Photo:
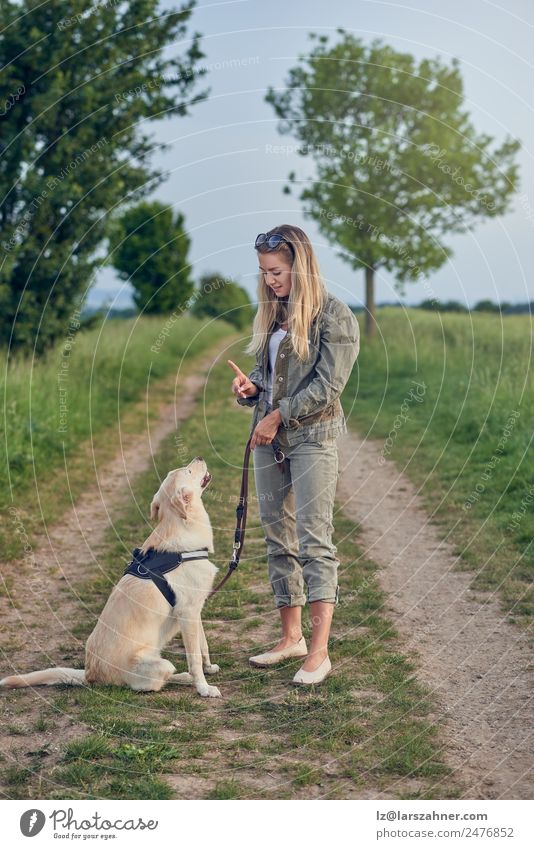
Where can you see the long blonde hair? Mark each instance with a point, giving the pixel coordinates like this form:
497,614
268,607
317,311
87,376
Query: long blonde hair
306,298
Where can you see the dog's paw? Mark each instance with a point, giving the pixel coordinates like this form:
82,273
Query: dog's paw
207,691
212,668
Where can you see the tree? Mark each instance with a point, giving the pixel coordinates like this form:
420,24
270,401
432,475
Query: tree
486,305
151,253
219,297
80,84
398,164
445,306
430,304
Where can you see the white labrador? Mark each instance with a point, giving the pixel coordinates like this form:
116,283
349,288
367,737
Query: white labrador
137,621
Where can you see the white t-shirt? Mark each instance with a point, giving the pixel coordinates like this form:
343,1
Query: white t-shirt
274,343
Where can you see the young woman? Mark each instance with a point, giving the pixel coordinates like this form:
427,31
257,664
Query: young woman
306,342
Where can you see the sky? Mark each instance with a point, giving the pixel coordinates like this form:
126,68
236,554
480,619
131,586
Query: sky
223,177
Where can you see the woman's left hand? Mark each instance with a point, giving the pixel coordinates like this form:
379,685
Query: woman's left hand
266,429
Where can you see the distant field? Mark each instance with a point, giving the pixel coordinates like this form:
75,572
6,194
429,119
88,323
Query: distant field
81,387
452,399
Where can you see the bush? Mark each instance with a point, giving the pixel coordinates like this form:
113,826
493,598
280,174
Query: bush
218,297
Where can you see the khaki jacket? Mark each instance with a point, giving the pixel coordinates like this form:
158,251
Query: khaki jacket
308,393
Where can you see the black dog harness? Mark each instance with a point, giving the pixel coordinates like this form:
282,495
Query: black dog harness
154,564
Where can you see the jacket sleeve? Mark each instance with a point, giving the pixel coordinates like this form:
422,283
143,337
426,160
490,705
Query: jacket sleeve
339,345
256,377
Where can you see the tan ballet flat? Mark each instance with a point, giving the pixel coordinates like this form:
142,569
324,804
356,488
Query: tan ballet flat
315,677
271,658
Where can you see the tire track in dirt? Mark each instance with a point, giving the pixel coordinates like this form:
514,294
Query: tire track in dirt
475,662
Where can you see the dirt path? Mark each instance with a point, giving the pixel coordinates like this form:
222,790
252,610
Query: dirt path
46,605
476,663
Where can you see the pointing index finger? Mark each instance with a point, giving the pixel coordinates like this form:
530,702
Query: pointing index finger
236,368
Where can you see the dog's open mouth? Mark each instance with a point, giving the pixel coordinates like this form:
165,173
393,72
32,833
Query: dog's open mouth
205,480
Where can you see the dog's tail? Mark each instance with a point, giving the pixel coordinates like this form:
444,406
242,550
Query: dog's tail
56,675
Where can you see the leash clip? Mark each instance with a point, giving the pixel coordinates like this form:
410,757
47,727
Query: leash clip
279,455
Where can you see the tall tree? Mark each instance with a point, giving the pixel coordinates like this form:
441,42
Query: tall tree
398,163
80,84
151,253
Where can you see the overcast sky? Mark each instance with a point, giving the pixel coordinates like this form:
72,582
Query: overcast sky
230,188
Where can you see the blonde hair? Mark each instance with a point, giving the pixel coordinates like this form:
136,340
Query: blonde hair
306,298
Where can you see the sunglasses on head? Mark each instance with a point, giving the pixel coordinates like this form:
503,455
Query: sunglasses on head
271,242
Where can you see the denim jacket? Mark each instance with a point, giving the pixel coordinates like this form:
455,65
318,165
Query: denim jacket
311,387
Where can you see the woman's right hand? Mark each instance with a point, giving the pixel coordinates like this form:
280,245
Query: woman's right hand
241,385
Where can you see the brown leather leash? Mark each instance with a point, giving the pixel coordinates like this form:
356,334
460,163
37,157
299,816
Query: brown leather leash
241,525
242,509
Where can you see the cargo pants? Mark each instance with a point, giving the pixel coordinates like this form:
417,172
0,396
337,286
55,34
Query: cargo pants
296,510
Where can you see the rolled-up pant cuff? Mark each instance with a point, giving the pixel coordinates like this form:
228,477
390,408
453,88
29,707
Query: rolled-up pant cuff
289,600
325,593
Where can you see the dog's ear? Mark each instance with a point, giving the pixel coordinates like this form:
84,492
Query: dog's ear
181,501
154,509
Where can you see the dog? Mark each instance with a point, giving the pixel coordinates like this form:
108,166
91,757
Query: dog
138,620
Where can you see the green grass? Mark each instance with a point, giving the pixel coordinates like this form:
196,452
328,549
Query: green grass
306,775
46,455
226,790
464,436
368,725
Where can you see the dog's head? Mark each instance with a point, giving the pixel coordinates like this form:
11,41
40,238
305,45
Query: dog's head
181,491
